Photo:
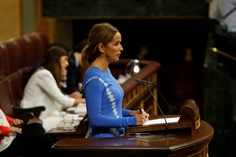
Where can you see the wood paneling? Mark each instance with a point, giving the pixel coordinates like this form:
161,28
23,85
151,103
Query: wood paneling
10,13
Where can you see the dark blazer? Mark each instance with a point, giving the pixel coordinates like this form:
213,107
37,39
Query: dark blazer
73,76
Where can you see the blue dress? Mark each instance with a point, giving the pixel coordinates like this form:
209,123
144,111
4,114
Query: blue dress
104,98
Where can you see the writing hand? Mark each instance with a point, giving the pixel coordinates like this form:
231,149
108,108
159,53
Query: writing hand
141,118
137,112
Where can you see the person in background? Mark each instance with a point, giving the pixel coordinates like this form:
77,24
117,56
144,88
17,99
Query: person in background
220,79
16,140
10,143
224,12
44,88
73,78
102,92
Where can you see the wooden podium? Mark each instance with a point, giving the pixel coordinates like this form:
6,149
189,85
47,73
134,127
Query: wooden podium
177,144
188,120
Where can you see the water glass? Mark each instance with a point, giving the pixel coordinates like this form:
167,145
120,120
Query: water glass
68,122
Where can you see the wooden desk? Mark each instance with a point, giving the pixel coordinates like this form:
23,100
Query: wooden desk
178,144
56,134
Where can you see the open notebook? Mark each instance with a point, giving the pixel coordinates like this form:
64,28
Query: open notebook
162,121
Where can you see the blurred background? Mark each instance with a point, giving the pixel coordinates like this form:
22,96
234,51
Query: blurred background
172,32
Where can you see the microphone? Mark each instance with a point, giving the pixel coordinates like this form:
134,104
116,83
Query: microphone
143,83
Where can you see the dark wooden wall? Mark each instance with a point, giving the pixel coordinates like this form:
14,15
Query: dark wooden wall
123,8
167,28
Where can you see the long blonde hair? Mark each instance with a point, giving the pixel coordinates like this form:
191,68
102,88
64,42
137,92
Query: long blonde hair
100,33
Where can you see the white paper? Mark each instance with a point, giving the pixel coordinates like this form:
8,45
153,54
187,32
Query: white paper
162,121
75,116
80,109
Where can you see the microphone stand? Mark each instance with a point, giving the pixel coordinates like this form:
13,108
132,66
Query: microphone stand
158,92
166,124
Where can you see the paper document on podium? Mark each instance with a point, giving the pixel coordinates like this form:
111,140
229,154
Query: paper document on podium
162,121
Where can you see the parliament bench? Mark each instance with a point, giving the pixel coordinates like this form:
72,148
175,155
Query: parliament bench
17,55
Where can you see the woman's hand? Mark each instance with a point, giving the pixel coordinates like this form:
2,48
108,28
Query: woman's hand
137,112
82,100
17,122
14,129
141,118
76,95
77,101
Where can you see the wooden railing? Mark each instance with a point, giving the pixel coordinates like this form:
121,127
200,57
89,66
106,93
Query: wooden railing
136,94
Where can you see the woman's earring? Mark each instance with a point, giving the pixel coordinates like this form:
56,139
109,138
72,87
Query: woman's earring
103,54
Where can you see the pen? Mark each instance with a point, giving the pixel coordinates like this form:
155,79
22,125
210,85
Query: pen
140,133
140,110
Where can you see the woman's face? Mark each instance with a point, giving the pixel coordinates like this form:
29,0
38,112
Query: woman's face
113,49
64,63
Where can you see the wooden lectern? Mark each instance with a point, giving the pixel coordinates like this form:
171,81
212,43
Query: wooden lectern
188,120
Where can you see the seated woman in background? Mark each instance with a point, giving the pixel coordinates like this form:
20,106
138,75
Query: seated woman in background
44,88
102,92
